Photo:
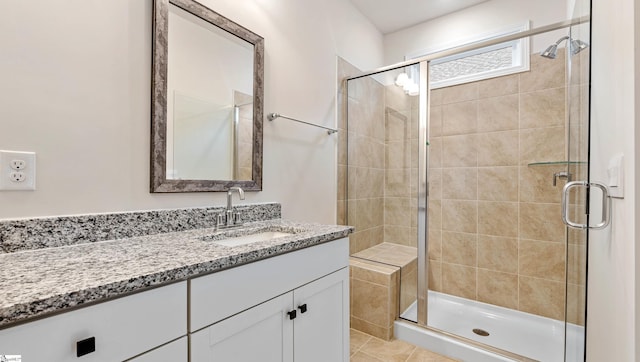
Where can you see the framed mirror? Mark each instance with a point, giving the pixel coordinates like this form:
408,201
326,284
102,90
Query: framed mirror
207,101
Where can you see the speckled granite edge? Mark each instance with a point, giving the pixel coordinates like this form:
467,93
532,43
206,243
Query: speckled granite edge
38,233
33,289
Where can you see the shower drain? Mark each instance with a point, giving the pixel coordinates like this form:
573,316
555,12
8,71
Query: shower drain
480,332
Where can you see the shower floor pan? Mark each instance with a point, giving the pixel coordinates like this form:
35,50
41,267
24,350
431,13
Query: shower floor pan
525,334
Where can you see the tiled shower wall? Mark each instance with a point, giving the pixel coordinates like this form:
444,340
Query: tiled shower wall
495,229
377,167
361,160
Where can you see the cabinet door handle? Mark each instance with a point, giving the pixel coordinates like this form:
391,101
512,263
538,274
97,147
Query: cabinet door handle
303,308
85,346
292,314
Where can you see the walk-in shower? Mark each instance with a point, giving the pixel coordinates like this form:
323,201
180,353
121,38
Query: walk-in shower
455,193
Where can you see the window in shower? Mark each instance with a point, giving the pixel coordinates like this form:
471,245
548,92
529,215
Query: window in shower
478,64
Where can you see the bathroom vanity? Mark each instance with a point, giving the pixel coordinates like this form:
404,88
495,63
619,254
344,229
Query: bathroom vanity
182,296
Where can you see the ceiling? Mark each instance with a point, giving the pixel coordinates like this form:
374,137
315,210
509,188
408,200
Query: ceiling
392,15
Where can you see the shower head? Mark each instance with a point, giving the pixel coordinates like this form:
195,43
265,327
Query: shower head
575,47
551,52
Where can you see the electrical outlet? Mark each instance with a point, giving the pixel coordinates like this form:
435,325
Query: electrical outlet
17,170
17,176
18,164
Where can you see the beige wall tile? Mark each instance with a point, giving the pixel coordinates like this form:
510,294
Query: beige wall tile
459,248
397,125
498,148
372,272
365,239
459,280
542,297
498,288
498,183
460,118
542,259
341,212
369,182
397,182
370,302
461,216
434,175
542,145
541,222
435,275
399,235
397,211
498,218
398,154
460,93
459,151
545,73
436,97
366,215
435,121
408,288
435,152
576,264
536,184
576,305
498,113
435,244
545,108
499,86
342,182
377,159
434,218
385,333
498,253
460,183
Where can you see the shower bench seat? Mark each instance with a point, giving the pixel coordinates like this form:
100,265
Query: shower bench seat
383,282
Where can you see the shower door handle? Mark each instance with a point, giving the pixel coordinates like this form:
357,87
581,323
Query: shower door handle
606,205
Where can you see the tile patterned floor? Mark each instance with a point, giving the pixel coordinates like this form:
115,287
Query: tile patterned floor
365,348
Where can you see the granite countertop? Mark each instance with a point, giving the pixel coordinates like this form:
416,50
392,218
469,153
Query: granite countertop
37,282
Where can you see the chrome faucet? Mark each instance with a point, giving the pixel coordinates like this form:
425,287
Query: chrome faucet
229,218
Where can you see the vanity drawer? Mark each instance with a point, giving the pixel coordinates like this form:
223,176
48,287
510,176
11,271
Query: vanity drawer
121,328
223,294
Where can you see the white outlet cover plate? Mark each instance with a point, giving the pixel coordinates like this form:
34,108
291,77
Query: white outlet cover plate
29,183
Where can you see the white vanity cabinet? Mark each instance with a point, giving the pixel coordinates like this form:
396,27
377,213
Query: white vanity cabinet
117,330
293,307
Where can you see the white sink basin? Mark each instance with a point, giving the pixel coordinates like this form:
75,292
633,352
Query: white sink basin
251,238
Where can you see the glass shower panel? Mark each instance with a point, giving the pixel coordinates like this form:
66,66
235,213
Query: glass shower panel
381,195
503,270
578,138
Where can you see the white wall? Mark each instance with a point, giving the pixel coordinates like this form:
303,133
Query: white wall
485,18
612,330
76,90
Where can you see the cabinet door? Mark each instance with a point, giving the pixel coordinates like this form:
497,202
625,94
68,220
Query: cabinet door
176,351
321,330
263,333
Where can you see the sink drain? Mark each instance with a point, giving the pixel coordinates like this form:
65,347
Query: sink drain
480,332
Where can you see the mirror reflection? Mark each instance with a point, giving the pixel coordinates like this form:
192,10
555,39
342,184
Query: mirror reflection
210,103
207,101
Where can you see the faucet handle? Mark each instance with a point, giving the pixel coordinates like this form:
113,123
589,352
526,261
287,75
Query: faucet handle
237,218
220,219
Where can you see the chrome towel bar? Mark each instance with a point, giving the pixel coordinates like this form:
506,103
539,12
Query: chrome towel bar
272,116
